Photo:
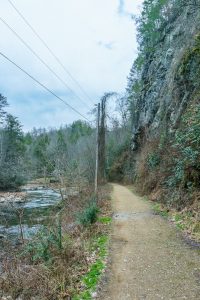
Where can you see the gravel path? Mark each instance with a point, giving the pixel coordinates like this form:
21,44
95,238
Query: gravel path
149,260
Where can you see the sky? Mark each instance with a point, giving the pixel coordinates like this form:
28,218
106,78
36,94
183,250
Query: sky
94,39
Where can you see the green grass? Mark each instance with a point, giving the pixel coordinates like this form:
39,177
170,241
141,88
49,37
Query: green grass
180,226
158,209
91,279
105,220
179,221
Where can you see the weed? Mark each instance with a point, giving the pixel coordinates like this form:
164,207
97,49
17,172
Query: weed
177,218
153,160
105,220
84,296
160,210
91,279
180,226
89,215
100,244
41,246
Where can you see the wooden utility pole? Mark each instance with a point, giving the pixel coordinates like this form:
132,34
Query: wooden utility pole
102,141
97,150
100,174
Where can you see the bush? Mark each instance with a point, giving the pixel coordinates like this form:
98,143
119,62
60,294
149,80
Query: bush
153,160
9,180
186,161
89,215
46,242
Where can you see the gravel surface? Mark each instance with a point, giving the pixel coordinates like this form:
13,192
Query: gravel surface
149,259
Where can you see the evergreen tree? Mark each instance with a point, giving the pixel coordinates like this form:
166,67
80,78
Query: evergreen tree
3,104
12,153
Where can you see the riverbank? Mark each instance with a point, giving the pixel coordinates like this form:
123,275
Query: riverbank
55,262
15,197
20,196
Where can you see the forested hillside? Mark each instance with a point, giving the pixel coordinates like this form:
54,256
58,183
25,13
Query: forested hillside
65,155
57,153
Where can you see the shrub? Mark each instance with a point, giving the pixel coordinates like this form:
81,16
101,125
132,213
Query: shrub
89,215
9,179
44,244
186,162
153,160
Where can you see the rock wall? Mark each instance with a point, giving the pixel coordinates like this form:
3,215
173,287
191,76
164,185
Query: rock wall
170,76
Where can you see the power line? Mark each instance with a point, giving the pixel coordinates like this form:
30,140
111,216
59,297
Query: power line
40,59
42,85
52,53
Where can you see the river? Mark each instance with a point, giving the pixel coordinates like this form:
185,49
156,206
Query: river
39,203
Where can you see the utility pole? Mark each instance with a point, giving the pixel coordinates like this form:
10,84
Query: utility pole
97,150
102,132
100,174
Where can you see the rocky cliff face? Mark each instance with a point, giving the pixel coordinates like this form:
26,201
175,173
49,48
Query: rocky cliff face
170,75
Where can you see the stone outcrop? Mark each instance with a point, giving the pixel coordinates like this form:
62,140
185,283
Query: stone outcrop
170,75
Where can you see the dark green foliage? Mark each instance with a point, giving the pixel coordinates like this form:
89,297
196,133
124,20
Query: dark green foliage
153,160
14,138
44,244
188,73
186,169
12,153
89,215
118,160
61,142
154,16
3,104
28,140
78,129
44,166
116,150
58,152
10,178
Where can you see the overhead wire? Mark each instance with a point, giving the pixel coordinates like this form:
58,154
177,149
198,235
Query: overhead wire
52,53
40,59
42,85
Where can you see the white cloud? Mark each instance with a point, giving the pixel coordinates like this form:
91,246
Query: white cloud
128,8
90,37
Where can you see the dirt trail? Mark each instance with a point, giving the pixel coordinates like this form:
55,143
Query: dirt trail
149,260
